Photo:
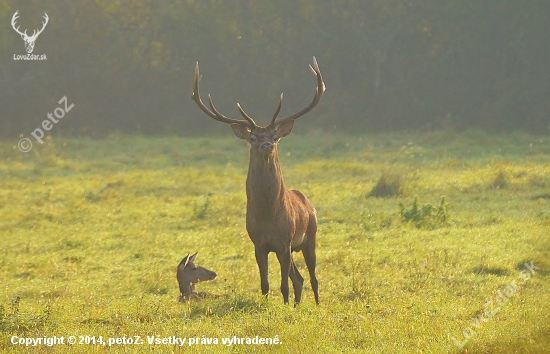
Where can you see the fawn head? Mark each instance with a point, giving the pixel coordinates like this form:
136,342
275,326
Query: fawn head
189,274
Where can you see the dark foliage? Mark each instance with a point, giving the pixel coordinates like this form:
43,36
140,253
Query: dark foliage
128,67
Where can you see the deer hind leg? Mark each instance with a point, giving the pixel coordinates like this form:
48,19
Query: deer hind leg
311,260
285,259
297,281
309,255
261,259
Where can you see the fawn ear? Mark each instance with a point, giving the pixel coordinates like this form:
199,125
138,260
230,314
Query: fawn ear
183,263
240,131
284,129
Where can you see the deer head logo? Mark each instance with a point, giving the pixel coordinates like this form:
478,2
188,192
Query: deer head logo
29,40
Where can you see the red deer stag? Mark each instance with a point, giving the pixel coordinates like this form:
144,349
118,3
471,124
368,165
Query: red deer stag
189,274
278,220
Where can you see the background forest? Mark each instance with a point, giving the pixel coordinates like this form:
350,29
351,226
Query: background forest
428,161
388,64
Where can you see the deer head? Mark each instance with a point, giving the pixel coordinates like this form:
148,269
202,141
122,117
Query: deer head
262,139
29,40
189,274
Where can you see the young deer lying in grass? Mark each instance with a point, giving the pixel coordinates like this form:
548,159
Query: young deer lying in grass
188,275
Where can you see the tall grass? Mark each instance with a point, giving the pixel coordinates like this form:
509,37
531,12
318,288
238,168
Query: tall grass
92,232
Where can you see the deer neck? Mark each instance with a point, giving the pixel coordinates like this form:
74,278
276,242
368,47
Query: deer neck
264,185
187,289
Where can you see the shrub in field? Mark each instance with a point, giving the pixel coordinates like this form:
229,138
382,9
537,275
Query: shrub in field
200,210
425,216
390,184
502,180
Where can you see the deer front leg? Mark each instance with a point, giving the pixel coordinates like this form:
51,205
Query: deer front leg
285,259
261,259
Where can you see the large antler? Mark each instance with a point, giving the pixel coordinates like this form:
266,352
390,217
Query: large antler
318,94
35,33
213,112
249,122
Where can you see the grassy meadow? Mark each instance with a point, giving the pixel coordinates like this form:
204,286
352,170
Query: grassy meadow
431,260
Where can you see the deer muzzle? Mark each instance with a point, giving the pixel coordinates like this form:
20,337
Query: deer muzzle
266,147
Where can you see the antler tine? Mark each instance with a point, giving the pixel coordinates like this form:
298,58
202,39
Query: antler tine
277,111
245,115
319,91
225,119
213,108
213,113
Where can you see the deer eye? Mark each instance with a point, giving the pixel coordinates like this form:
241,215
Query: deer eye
252,138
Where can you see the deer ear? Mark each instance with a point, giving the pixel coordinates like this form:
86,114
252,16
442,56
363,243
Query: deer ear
284,129
183,263
240,131
192,258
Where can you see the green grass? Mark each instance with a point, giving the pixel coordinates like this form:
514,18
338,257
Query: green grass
92,232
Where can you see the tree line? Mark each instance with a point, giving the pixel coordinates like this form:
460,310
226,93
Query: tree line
128,65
